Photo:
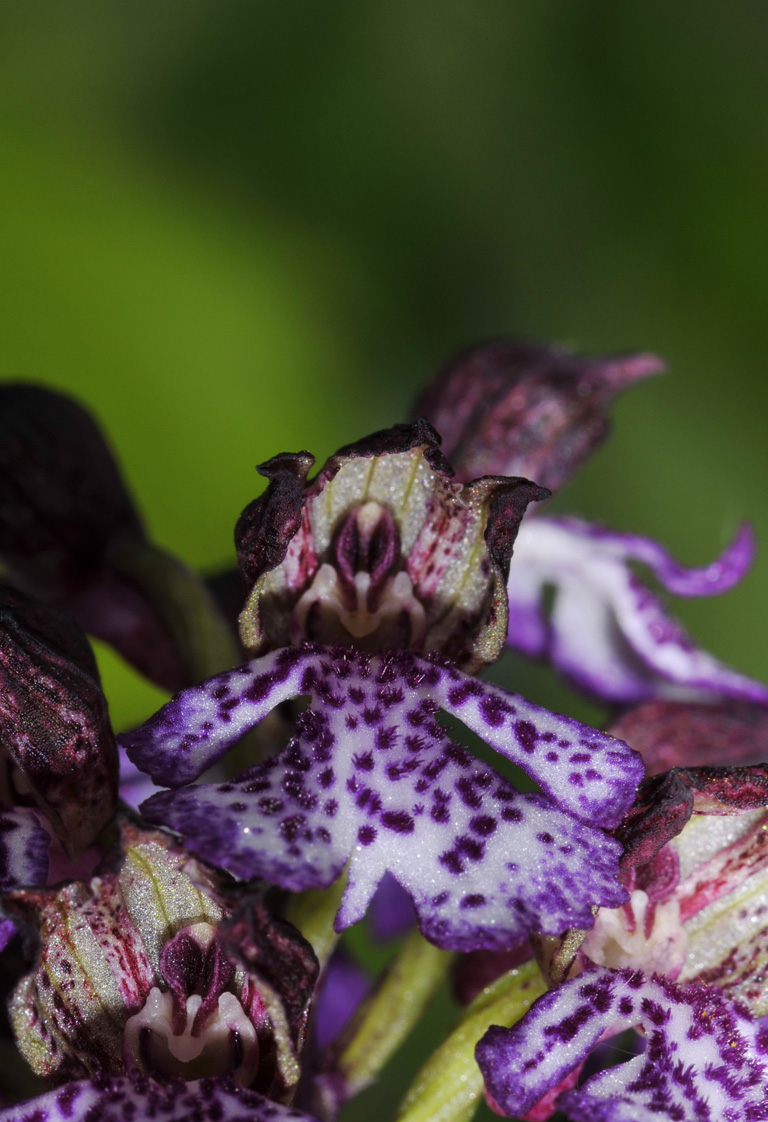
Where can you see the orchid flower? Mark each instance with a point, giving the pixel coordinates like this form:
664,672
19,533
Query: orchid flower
383,553
155,986
539,411
164,987
695,862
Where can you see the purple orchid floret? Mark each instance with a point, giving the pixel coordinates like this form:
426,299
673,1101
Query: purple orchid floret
117,1098
706,1059
607,632
370,779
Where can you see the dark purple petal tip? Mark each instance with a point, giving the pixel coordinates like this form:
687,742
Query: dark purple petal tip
519,408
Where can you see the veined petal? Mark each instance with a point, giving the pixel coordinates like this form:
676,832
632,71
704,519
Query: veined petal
107,1098
371,779
607,632
705,1057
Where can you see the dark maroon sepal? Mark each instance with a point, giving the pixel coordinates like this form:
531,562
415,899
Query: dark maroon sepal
62,499
54,722
65,519
519,408
505,513
664,803
265,528
671,734
398,438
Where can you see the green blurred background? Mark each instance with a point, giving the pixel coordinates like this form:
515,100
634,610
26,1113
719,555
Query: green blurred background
236,227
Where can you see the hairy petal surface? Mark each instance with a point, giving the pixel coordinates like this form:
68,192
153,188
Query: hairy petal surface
607,632
706,1060
371,779
110,1098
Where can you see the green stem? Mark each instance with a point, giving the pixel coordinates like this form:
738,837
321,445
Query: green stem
383,1021
449,1086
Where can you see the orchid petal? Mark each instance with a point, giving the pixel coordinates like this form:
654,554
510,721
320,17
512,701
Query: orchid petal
54,722
115,1098
381,550
512,407
607,632
23,856
370,778
705,1057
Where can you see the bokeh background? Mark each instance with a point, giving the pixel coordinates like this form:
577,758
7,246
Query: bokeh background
237,227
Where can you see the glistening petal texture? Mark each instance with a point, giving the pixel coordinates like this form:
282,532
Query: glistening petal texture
23,856
107,1098
705,1061
371,778
607,632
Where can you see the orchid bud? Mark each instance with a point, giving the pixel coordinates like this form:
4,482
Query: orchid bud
54,725
152,968
381,551
517,408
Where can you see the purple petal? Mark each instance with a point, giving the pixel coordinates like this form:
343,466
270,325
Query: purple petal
23,856
391,911
518,408
705,1057
115,1098
135,785
607,632
370,778
343,986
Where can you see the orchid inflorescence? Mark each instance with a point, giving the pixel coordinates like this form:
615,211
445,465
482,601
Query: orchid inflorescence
174,899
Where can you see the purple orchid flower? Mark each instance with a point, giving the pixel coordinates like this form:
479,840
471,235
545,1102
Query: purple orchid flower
156,984
696,866
706,1058
606,631
539,411
370,779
